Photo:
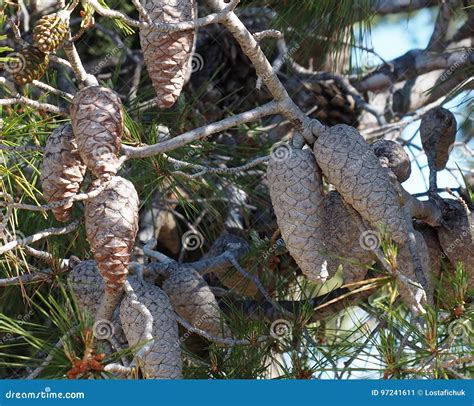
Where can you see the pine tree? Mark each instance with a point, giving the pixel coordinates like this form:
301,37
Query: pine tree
237,181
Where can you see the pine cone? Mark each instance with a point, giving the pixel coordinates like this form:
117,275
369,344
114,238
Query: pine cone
348,162
397,158
50,31
341,231
88,287
335,105
87,284
32,65
457,238
438,133
167,55
296,192
63,170
163,361
434,268
97,121
111,227
353,168
404,258
193,300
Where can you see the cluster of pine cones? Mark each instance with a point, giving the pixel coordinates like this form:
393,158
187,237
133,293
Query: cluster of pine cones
92,142
344,228
48,34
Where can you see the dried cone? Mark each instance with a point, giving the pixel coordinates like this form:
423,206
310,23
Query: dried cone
50,31
335,105
31,65
193,300
167,55
161,359
348,162
437,277
341,229
395,158
97,121
295,185
404,258
438,133
87,284
111,227
457,238
63,170
88,287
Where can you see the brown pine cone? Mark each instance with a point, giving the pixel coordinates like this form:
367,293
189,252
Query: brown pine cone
335,105
167,55
111,227
63,170
97,121
31,65
51,30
